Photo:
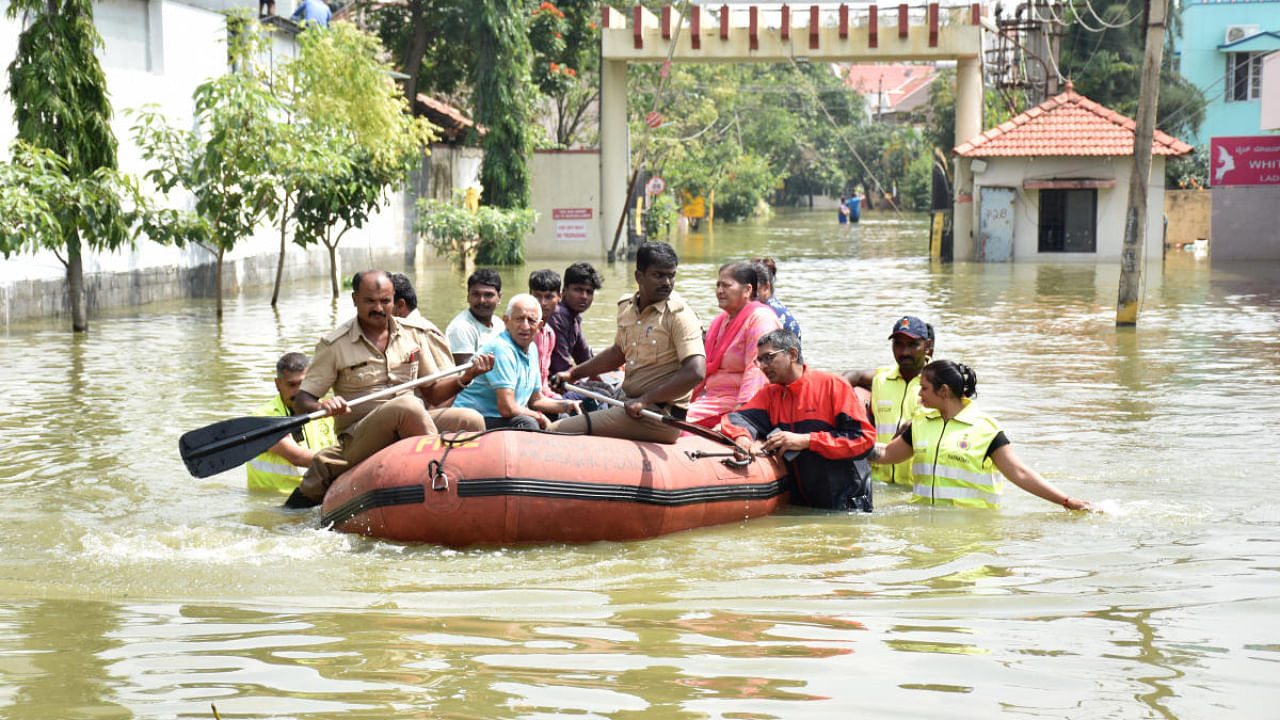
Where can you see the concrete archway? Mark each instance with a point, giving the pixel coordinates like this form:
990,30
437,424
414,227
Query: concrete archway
775,34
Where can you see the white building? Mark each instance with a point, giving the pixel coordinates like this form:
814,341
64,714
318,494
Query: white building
1053,183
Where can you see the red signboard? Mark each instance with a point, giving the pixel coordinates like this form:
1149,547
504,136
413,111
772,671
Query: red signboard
570,213
1244,160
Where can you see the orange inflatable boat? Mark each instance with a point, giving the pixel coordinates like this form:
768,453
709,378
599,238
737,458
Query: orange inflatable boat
508,486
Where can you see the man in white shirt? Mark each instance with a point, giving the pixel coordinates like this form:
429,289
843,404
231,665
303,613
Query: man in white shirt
475,326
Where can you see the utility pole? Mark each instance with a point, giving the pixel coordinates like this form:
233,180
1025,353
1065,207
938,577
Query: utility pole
1133,251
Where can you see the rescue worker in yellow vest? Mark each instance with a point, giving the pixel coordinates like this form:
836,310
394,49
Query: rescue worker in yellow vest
280,469
956,449
895,391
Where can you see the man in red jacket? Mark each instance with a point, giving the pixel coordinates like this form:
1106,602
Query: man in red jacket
814,419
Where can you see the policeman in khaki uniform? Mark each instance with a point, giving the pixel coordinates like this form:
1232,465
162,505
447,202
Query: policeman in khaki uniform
659,339
368,353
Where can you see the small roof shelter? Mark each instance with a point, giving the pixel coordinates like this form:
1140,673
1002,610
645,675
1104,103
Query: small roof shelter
1052,183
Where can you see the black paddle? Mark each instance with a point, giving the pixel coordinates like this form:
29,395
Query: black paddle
223,445
688,427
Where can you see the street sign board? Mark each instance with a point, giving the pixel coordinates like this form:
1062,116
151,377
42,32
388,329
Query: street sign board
1244,160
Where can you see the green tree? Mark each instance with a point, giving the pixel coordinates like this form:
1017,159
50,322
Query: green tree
564,39
429,42
37,192
60,104
229,165
342,93
1105,64
501,98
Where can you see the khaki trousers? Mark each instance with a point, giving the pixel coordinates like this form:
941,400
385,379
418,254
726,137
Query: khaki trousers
403,417
615,422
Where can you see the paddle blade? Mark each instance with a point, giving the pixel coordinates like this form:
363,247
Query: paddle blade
223,445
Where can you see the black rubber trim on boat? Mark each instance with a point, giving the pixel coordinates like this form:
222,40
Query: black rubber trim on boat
382,497
620,493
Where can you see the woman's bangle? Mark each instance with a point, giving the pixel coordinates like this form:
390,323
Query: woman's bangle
1066,503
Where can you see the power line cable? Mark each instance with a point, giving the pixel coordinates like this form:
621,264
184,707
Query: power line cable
1104,23
822,106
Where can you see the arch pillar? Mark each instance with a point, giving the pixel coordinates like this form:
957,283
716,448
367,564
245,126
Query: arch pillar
968,126
614,150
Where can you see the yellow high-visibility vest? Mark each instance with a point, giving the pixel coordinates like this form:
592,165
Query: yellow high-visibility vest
270,471
893,403
950,462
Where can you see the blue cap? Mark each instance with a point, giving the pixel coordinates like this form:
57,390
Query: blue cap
911,327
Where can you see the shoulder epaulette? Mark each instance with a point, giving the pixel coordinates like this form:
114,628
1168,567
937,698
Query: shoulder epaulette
337,333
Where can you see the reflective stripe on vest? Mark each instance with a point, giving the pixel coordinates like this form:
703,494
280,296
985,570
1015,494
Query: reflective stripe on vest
263,463
950,461
893,403
957,495
273,472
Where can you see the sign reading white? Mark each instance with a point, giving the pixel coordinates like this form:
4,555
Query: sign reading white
571,223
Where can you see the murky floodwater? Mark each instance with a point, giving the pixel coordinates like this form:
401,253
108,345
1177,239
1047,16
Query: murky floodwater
129,589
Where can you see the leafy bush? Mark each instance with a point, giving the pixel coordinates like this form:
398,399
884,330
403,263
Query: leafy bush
741,191
917,187
494,235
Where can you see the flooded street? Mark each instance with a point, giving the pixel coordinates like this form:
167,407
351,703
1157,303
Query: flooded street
129,589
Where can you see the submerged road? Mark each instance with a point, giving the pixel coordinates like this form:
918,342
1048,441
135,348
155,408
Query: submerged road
129,589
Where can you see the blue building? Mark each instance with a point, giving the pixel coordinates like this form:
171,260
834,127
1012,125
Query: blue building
1220,50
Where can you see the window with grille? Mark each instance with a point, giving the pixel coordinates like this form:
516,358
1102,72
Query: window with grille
1068,221
1244,77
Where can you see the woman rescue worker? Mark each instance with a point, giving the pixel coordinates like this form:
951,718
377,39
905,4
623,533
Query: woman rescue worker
956,448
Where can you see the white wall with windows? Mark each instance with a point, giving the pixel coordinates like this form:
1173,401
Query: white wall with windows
155,53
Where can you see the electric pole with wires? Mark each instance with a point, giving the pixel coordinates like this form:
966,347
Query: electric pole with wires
1133,250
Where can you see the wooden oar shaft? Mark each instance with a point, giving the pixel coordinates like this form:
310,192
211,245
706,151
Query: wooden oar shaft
614,401
398,388
691,428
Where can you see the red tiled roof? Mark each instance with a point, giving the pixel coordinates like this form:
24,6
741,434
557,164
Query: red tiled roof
898,82
1068,125
450,119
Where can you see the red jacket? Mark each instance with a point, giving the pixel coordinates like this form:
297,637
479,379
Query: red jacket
832,472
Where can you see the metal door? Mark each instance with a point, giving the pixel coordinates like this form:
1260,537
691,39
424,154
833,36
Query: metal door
995,224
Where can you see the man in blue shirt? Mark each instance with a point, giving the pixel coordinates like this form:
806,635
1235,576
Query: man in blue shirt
312,11
510,394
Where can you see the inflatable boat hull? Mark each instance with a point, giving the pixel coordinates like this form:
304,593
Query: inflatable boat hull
510,487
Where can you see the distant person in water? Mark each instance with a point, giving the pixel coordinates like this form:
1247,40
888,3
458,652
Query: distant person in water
767,296
957,449
843,211
732,375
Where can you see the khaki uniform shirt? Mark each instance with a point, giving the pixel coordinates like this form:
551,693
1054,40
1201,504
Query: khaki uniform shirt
656,341
346,361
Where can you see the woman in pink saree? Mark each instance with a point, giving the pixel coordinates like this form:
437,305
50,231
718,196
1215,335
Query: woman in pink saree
732,375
